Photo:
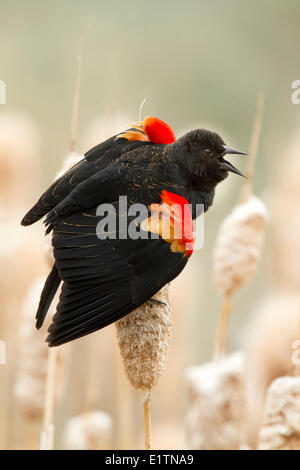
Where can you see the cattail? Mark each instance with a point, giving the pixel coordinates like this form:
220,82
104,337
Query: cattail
281,426
30,386
271,343
216,404
236,255
238,246
239,242
143,340
89,431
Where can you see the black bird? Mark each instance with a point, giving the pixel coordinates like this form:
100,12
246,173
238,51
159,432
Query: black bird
105,279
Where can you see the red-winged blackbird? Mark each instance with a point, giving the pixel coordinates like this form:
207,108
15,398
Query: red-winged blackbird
105,279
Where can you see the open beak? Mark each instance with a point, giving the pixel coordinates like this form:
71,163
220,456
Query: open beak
227,165
230,150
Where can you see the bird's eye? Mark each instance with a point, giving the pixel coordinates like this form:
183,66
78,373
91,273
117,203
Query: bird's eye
208,153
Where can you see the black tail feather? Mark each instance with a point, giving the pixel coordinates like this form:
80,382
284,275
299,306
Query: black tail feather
47,295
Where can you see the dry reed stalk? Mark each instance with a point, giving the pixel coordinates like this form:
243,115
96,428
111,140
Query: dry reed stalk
30,385
74,122
221,338
89,431
253,147
143,340
239,241
75,112
281,425
147,420
47,434
216,404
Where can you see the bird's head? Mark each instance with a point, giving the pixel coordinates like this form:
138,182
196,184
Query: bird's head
205,154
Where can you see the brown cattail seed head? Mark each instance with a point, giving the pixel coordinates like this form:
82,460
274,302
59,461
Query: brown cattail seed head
281,427
239,245
143,340
89,431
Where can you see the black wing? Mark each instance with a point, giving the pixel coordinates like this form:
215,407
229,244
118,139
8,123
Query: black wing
103,280
95,160
140,174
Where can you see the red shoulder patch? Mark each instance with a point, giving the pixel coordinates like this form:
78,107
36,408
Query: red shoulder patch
158,131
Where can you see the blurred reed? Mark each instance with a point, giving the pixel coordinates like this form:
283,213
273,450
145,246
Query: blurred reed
31,376
239,241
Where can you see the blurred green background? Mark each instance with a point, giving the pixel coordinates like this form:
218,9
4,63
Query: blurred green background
200,64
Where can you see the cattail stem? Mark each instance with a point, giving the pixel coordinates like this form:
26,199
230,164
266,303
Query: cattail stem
223,326
73,140
253,147
74,122
147,421
240,233
32,438
143,340
47,436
